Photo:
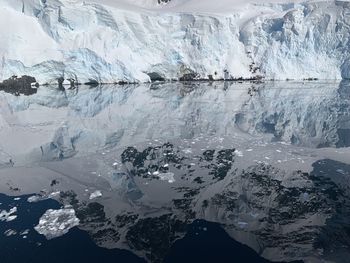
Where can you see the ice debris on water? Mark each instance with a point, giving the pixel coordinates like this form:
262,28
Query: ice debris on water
8,216
56,223
38,198
24,232
10,232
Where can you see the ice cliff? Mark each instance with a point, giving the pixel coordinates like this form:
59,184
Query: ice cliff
136,41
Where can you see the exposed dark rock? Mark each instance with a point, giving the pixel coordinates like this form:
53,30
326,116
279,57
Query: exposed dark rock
163,1
91,83
154,76
125,219
60,83
189,76
18,86
155,235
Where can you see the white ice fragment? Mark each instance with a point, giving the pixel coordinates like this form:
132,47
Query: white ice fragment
24,232
8,216
10,232
34,199
55,223
95,194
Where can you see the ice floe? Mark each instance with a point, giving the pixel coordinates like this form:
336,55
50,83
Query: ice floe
8,216
56,223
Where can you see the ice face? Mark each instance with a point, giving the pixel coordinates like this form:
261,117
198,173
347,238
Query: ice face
91,42
55,223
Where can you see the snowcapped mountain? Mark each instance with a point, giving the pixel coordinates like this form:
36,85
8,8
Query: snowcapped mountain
135,41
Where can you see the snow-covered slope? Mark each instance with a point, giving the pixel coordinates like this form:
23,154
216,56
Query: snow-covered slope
128,40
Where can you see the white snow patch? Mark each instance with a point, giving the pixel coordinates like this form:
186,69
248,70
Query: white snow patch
239,153
167,177
95,194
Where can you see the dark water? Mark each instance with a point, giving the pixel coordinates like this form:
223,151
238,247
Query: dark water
76,246
204,242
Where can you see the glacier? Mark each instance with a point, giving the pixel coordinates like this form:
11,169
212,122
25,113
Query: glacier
139,41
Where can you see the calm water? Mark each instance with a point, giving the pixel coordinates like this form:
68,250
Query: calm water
178,172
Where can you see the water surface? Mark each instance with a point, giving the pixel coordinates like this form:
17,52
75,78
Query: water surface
184,171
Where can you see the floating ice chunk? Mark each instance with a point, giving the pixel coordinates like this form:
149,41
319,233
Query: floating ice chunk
56,223
24,232
8,216
34,198
38,198
10,232
95,194
17,199
156,173
167,177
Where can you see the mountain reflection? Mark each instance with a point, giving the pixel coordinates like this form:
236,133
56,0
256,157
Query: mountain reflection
163,156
